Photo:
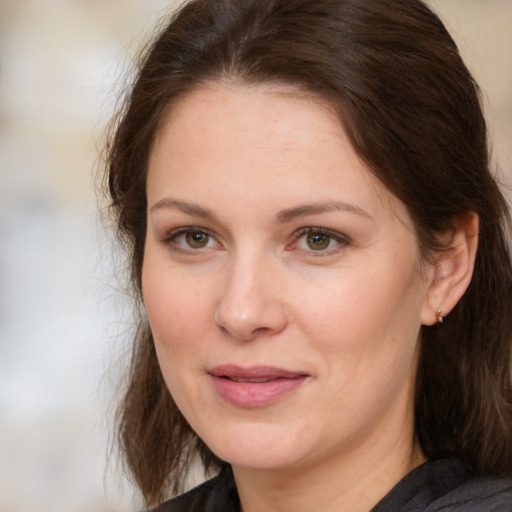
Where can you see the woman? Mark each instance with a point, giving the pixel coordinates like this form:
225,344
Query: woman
321,254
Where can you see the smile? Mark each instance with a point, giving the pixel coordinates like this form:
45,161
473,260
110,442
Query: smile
256,386
252,381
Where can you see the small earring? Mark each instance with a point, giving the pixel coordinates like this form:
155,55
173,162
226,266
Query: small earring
439,316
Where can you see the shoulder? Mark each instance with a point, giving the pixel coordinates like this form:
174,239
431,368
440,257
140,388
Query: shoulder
447,485
214,495
479,494
441,486
191,501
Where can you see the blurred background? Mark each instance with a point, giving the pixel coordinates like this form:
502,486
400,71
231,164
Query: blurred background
63,64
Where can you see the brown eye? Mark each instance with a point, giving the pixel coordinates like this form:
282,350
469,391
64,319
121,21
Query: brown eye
318,241
197,239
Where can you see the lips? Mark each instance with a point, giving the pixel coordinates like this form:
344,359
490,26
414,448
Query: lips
256,386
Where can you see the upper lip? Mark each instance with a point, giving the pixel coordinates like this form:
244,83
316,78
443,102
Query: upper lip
232,371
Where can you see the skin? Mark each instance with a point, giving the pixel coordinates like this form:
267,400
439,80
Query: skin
230,277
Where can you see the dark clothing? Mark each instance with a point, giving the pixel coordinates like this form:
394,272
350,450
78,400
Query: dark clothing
443,485
447,486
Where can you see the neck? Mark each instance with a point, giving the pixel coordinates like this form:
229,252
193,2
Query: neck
345,482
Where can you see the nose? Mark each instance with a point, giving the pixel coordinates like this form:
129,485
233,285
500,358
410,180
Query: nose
250,304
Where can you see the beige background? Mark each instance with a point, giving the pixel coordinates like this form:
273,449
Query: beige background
62,64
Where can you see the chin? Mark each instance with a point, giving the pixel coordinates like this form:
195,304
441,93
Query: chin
258,446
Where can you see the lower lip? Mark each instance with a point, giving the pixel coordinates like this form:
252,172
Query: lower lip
250,394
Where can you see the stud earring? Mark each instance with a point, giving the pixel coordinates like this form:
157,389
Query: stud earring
439,316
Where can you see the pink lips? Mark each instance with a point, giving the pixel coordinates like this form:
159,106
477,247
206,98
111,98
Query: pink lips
256,386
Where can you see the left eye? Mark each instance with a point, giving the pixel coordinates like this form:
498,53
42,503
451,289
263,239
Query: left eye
318,241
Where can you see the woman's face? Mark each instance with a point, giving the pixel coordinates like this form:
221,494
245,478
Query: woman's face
282,282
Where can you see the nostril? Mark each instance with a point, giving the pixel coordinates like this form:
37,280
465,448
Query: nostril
261,330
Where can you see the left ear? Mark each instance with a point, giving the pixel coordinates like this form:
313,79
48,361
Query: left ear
453,268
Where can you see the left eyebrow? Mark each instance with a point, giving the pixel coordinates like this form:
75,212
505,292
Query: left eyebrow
317,208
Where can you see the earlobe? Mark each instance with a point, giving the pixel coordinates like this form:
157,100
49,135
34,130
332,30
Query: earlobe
453,268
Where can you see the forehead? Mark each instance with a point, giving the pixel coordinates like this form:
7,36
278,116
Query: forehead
243,110
267,140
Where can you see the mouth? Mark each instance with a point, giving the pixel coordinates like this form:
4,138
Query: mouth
248,380
253,374
255,386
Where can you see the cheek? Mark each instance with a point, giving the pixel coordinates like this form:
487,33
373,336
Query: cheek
177,309
177,314
366,329
351,309
367,323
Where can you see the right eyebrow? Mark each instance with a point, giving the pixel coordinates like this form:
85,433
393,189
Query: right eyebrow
183,206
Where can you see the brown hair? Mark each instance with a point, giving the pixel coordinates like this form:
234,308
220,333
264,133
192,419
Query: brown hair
412,112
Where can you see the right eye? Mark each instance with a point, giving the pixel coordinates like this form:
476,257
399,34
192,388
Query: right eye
191,239
194,239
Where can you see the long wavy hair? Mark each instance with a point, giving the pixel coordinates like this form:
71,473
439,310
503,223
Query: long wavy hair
412,112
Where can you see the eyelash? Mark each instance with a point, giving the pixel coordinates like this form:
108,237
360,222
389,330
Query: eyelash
170,238
341,240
